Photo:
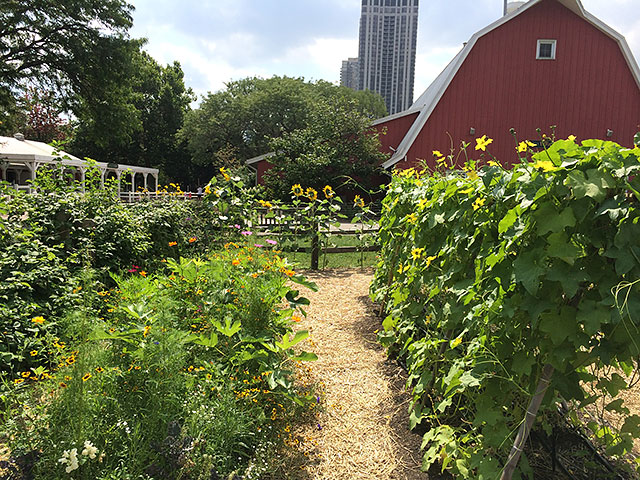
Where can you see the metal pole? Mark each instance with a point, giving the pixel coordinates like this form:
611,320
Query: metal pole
505,7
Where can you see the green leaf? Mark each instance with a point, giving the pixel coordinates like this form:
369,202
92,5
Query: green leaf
304,357
527,268
593,186
301,280
288,341
560,246
508,220
559,326
548,219
632,422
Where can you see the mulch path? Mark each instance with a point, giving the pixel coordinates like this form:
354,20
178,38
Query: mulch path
362,430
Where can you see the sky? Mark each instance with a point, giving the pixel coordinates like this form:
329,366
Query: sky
217,41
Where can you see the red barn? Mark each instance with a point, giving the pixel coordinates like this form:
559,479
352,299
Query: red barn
546,63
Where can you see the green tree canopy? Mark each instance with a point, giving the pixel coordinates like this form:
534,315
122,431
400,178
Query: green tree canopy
158,100
238,122
60,43
337,143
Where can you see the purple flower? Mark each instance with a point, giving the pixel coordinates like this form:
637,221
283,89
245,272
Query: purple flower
319,427
271,242
188,219
258,245
245,233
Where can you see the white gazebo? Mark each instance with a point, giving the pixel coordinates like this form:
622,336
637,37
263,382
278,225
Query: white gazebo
20,160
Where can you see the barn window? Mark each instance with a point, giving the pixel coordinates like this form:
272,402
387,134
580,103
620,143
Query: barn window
546,50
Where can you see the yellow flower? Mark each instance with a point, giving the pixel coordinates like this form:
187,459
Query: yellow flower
63,385
491,163
265,204
33,353
422,204
224,173
523,146
478,203
38,320
572,138
456,342
99,369
436,153
430,261
416,253
328,191
235,262
147,329
207,190
18,381
297,190
86,377
358,201
545,165
472,174
411,218
483,142
312,194
25,374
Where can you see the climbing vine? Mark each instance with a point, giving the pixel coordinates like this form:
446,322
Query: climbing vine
488,275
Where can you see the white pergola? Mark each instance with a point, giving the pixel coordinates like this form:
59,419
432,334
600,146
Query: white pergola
20,160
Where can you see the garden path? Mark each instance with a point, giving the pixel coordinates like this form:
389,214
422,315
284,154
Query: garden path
362,433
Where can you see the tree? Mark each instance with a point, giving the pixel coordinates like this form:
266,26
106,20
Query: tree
238,122
158,100
337,143
80,51
52,41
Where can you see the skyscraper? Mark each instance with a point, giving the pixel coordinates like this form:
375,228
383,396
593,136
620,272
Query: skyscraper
349,73
387,52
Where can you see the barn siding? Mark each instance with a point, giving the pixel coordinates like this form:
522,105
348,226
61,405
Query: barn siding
587,89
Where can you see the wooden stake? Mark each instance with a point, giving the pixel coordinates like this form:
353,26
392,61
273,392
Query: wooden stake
529,418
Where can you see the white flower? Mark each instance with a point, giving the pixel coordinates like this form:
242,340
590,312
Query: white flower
70,457
89,450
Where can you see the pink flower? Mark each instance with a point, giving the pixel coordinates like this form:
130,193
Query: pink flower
236,226
271,242
258,245
245,233
133,269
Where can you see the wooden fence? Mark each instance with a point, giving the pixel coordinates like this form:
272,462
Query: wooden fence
283,221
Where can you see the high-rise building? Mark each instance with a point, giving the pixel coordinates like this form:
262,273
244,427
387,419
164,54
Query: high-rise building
387,52
349,73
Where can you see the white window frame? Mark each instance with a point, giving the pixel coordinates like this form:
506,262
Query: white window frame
546,42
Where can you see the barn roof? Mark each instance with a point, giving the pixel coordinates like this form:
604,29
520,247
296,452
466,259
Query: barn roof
427,102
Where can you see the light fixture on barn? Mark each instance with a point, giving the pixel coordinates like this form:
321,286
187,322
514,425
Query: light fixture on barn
472,131
609,133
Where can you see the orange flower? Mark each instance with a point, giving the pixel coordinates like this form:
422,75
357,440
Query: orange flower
235,262
192,239
296,318
38,320
143,273
173,244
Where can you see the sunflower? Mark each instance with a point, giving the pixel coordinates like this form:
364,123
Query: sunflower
86,377
311,194
328,191
297,190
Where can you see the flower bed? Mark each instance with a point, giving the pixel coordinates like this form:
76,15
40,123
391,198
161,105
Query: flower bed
183,374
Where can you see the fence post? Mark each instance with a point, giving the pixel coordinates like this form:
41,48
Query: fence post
315,247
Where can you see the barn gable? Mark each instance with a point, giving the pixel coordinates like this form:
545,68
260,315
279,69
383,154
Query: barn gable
495,82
